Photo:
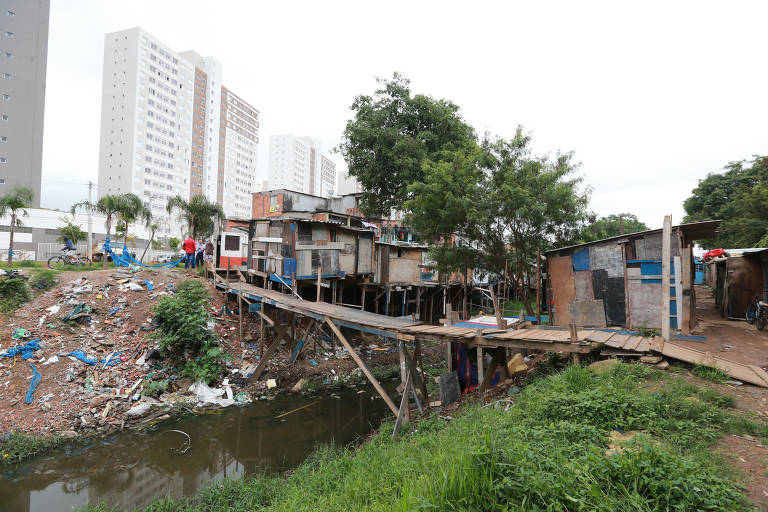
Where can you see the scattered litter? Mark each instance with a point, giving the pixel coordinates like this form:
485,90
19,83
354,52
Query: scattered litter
79,354
54,309
149,285
139,410
185,445
313,362
271,383
19,334
51,360
27,350
734,383
207,395
36,378
135,287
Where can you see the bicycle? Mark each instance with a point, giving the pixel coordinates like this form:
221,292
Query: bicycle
68,259
757,312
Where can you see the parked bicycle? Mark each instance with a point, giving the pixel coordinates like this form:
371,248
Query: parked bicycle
68,259
757,311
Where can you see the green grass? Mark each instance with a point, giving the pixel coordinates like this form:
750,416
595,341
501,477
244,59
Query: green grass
19,447
710,373
545,453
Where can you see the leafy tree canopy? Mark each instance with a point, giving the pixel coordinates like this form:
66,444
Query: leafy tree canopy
198,213
738,196
609,226
494,203
71,230
390,137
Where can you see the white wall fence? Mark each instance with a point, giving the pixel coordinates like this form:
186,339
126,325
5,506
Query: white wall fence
46,250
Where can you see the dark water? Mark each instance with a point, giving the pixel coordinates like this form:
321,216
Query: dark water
132,469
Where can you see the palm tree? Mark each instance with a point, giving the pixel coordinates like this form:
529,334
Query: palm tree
152,227
109,206
131,210
15,202
198,213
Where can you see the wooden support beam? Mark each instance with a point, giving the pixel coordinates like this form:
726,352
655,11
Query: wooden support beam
402,412
280,333
666,256
498,358
362,365
500,322
265,317
362,300
418,384
480,365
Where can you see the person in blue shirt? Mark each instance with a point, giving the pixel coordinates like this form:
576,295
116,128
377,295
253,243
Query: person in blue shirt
68,245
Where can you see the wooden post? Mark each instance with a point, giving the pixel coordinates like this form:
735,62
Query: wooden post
500,322
666,255
318,284
405,378
480,365
362,366
402,412
341,292
449,345
362,300
685,300
334,285
240,313
418,302
538,285
386,302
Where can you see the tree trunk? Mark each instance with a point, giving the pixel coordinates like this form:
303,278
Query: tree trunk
104,254
151,237
10,239
526,300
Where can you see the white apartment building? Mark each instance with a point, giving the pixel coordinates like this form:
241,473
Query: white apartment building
296,163
165,129
348,184
23,58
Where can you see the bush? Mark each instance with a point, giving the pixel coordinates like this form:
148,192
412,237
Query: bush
18,447
13,293
43,279
184,335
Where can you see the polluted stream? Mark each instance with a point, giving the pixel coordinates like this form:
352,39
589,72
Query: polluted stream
131,469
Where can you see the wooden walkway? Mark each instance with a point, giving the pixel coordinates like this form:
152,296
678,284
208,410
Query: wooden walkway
531,337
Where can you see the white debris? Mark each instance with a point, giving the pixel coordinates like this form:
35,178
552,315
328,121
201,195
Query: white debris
207,395
271,383
51,360
135,287
139,410
54,309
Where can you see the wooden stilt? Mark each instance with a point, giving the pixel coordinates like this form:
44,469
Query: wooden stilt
402,412
362,365
499,358
480,365
362,300
318,284
405,378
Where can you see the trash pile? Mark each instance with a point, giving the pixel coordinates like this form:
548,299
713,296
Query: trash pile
79,359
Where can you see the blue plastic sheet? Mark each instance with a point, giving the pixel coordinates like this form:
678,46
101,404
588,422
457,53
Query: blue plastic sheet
79,354
26,350
36,378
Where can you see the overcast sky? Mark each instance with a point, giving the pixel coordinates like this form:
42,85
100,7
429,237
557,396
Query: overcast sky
650,98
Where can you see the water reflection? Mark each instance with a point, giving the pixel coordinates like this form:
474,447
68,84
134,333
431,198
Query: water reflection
132,469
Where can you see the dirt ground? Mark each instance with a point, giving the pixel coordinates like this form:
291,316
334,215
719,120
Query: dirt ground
731,339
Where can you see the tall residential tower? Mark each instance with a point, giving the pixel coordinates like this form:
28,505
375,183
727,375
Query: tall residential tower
296,163
169,127
23,59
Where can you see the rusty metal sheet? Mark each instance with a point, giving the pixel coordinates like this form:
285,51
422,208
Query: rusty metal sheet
561,276
644,304
608,258
583,285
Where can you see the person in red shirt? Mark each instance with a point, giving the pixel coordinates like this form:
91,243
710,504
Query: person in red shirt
189,250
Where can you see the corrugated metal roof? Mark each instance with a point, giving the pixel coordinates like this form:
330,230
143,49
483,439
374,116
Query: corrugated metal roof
704,229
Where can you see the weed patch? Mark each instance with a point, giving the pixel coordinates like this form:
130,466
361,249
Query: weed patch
183,333
18,447
13,293
43,279
547,453
710,373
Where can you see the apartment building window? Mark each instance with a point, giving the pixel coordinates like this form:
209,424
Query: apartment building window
3,159
5,117
8,55
4,138
11,13
9,34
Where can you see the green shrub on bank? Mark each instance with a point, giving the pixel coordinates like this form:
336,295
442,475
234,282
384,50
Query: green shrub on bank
183,333
547,453
13,293
18,447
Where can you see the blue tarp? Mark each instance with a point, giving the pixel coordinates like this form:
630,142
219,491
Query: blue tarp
26,350
36,378
79,354
580,259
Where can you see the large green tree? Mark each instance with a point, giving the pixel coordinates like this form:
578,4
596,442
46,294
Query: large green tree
131,210
497,203
606,227
199,214
739,197
390,137
15,203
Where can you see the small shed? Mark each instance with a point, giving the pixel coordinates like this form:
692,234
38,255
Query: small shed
737,277
618,281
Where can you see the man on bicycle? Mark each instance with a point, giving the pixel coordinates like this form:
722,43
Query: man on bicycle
68,245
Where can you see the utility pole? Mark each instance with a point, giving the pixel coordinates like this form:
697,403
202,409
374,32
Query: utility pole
89,250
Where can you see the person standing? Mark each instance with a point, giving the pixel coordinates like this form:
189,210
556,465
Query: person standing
199,247
209,250
189,251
